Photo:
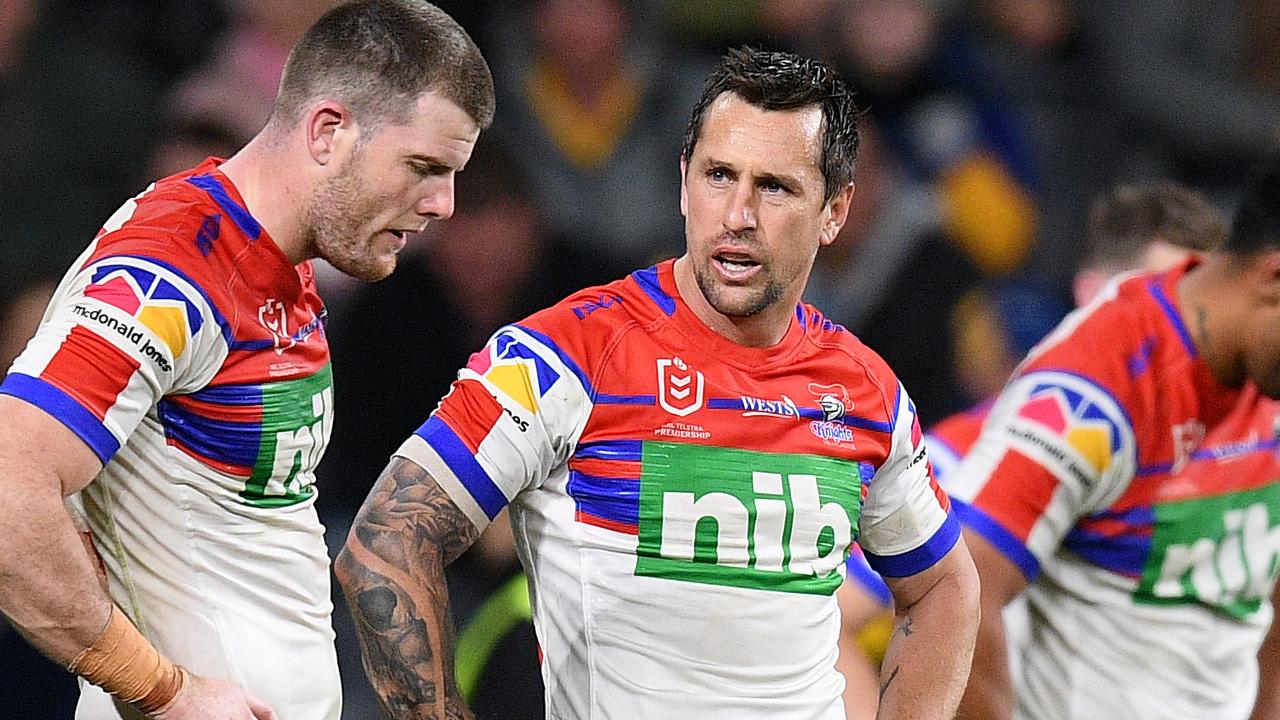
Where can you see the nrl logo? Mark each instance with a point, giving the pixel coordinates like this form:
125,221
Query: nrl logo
679,388
273,317
833,399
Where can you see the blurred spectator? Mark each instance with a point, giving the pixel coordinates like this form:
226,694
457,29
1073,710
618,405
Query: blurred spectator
79,92
1175,74
895,278
948,127
1031,50
593,107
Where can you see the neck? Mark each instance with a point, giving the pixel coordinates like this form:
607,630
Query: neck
273,191
1208,298
764,329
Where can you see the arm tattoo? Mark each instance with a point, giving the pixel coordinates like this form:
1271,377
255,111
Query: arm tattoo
907,628
885,687
392,572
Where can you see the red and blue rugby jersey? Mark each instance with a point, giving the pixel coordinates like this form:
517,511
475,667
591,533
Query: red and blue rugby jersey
684,505
189,354
1140,497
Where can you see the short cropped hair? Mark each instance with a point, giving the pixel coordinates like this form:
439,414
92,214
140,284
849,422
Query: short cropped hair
785,81
1256,226
1126,220
378,56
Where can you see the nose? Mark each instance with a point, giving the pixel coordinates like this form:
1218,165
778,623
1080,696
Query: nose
740,214
436,202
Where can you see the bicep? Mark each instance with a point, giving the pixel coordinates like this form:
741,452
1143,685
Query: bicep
37,449
409,511
953,573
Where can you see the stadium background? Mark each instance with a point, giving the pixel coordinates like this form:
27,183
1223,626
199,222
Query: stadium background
990,125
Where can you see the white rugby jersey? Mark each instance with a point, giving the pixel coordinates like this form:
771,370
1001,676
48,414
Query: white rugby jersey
189,355
683,506
1141,499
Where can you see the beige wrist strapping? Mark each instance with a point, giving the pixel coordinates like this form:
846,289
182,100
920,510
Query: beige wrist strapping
124,664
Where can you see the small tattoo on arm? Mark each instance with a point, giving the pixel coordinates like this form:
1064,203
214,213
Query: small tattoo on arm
907,628
885,687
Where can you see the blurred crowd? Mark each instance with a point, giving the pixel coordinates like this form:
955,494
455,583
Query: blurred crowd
989,126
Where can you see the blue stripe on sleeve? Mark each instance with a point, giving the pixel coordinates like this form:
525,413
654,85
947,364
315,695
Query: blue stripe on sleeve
923,557
1003,540
66,410
455,454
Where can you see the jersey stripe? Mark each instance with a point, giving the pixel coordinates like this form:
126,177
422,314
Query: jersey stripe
1174,318
615,500
85,354
647,279
1124,554
630,450
1003,540
921,558
66,410
462,461
239,215
227,443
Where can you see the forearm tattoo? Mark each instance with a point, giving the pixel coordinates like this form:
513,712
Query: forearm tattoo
392,572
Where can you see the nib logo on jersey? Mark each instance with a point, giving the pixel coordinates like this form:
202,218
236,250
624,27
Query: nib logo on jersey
754,520
514,368
156,303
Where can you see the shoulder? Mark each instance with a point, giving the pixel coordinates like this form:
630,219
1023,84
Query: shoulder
1106,340
873,384
172,224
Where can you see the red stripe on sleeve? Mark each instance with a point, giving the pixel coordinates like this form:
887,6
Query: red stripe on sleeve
1017,493
90,369
471,412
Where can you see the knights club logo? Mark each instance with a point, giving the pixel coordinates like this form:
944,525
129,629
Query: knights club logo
833,399
679,388
274,318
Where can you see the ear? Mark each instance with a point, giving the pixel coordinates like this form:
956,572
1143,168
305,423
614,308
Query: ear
684,190
1266,271
330,131
837,213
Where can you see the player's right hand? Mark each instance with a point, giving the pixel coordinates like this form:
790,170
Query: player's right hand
207,699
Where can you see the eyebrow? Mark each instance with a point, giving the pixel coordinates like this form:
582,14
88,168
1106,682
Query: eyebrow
790,181
431,160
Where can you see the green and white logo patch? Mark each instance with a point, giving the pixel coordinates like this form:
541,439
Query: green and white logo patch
767,521
297,420
1218,551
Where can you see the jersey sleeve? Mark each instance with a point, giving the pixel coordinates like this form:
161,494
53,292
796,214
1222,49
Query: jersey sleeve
120,333
512,416
1056,447
906,524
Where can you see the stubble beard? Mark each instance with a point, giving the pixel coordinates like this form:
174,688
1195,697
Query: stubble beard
757,300
332,229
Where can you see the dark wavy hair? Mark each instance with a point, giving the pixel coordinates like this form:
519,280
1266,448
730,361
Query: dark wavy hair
1256,226
785,81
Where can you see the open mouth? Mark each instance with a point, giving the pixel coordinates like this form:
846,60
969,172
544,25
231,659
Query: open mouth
735,265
